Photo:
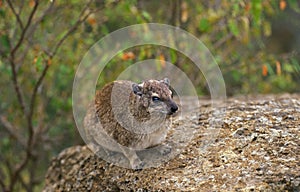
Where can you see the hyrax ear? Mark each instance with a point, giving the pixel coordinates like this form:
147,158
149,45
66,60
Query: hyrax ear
165,81
137,89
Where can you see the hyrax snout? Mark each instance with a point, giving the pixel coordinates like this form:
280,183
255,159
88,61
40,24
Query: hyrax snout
126,117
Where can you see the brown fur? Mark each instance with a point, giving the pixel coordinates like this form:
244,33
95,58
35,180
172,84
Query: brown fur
125,118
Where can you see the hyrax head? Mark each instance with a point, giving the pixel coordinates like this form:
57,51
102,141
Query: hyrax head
156,96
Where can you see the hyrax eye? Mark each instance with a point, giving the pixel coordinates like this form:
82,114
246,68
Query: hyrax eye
155,98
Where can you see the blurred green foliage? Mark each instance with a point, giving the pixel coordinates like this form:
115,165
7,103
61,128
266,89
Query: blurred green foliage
255,42
242,36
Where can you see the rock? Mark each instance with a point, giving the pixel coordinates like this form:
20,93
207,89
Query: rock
255,148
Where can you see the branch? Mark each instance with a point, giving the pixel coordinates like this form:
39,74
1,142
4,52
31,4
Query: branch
23,164
20,59
17,171
44,72
17,46
38,20
29,114
32,103
30,31
42,76
12,131
73,28
16,86
12,59
16,14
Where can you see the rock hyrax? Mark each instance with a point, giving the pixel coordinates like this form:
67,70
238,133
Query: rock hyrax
127,116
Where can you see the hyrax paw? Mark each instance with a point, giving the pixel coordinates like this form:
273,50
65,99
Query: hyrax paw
138,165
110,153
165,149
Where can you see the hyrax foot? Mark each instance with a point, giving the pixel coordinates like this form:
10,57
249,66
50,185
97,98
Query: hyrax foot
134,160
137,164
164,149
109,153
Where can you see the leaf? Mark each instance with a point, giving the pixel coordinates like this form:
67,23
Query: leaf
128,56
184,12
288,68
245,29
233,27
236,9
38,63
31,3
247,7
267,29
91,20
162,60
282,5
278,68
142,54
173,56
2,13
264,70
104,29
270,70
49,61
146,15
296,65
4,42
236,75
256,10
204,25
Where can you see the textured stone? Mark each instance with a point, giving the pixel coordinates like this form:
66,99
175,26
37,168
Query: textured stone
257,148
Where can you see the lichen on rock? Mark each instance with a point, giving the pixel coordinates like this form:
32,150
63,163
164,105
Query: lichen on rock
257,149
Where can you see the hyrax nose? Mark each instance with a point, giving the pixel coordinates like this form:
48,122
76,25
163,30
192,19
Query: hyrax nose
174,108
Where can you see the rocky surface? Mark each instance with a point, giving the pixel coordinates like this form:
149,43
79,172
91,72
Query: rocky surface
255,147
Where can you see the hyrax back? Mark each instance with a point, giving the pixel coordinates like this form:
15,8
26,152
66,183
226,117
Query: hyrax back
127,116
